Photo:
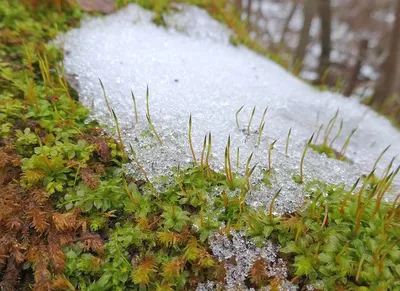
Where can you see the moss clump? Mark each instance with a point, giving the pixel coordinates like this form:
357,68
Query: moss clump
350,240
328,149
329,152
46,150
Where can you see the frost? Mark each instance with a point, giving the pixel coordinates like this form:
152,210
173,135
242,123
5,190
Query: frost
244,253
191,68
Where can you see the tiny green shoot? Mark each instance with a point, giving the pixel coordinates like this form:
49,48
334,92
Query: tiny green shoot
148,117
237,158
260,133
119,134
380,156
208,155
144,173
262,119
105,96
271,147
237,115
134,107
329,127
287,140
228,167
346,144
337,134
190,140
299,179
271,206
251,119
318,133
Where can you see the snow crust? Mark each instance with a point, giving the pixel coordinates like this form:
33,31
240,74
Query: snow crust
191,68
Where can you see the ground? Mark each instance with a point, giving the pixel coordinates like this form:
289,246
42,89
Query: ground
73,217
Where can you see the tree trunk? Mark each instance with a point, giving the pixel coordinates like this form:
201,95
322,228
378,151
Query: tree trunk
324,9
287,21
385,83
309,11
249,4
238,5
352,78
396,82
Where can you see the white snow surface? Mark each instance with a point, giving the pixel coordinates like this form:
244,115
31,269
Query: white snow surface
191,68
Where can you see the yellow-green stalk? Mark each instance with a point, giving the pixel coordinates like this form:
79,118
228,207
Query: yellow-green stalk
251,119
287,141
302,159
380,156
228,168
247,171
202,157
134,107
148,117
360,267
271,147
237,158
47,66
337,134
105,96
43,73
260,132
30,93
144,173
190,140
63,83
382,193
247,179
318,133
271,206
348,195
237,115
346,144
360,193
129,192
119,134
262,120
329,127
208,155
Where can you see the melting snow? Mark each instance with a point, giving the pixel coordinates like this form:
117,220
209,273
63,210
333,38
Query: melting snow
245,253
191,68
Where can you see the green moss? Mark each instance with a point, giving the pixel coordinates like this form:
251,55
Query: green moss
345,235
266,178
329,152
127,234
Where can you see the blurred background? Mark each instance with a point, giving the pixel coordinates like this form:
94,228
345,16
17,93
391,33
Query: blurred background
349,46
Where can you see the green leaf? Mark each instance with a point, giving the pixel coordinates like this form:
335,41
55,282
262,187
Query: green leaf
98,204
71,154
303,265
398,270
290,248
204,235
395,254
326,258
88,206
359,247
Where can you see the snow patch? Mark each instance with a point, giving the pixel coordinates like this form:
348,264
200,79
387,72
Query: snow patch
191,68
